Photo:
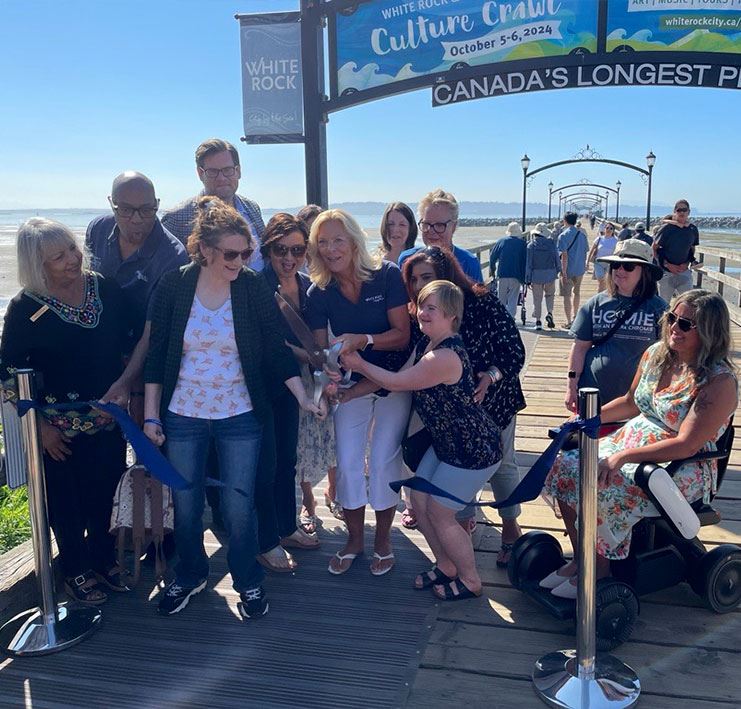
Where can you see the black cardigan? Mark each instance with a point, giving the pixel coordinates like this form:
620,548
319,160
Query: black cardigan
258,329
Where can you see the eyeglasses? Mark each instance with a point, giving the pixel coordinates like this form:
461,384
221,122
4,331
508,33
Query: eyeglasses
437,227
213,172
296,251
680,210
684,324
126,212
231,254
627,267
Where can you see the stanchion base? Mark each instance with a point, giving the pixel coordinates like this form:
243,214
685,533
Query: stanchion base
556,682
27,634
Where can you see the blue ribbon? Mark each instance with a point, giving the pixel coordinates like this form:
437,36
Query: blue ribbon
531,485
146,452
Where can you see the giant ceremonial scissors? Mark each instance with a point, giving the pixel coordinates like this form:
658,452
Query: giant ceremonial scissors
319,358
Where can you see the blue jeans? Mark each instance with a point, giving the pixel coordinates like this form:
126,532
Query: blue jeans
237,442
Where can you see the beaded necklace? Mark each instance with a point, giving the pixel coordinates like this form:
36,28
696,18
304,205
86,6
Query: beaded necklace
87,315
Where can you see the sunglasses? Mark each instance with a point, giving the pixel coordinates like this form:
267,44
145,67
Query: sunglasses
684,324
627,267
681,209
231,254
296,251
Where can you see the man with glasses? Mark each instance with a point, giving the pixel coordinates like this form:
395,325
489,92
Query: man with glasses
674,248
218,168
132,248
438,212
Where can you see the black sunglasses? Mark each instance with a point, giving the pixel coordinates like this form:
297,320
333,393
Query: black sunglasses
682,209
628,267
296,251
684,324
231,255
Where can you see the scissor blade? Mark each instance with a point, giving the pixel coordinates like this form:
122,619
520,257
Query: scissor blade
302,332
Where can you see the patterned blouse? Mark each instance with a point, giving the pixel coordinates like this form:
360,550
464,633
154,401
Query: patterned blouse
462,434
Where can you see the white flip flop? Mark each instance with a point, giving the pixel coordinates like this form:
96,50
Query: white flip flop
341,558
378,557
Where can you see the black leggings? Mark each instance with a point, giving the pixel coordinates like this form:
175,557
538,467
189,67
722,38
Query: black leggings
80,493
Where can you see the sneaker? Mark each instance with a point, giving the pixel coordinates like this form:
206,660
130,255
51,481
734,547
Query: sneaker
538,325
549,321
253,603
176,597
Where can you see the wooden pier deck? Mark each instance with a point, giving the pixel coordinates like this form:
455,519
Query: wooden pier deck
360,641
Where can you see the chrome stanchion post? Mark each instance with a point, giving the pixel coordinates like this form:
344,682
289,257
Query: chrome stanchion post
582,679
51,628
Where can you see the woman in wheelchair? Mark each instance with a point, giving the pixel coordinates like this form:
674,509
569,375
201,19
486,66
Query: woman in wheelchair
680,401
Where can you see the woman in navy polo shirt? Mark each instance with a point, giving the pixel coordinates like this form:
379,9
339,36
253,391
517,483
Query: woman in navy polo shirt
364,302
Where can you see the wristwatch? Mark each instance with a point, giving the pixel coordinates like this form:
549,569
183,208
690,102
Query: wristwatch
572,374
369,343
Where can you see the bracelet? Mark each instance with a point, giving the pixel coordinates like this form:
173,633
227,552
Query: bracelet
156,422
495,375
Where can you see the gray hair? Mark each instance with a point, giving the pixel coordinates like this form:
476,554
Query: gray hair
34,237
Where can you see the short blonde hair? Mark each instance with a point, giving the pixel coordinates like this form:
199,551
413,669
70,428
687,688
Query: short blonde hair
34,237
439,196
449,298
364,264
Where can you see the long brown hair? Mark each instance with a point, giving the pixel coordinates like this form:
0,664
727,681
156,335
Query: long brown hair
645,288
405,212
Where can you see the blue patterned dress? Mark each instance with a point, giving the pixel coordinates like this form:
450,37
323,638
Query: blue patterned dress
622,504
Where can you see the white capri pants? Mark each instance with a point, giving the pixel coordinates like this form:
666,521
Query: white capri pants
376,424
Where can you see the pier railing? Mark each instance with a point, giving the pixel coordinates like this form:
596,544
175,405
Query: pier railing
712,274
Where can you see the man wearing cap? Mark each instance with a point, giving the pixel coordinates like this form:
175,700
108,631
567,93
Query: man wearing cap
218,168
640,233
507,263
542,266
674,248
573,247
614,327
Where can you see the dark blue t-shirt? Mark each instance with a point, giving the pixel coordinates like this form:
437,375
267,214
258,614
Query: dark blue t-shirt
369,315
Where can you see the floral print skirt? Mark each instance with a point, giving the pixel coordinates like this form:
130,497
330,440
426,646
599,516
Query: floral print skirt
621,503
316,449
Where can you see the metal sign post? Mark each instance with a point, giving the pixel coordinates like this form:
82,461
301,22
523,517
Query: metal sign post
52,627
581,679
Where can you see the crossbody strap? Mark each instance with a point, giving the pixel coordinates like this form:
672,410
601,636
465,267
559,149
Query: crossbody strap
618,323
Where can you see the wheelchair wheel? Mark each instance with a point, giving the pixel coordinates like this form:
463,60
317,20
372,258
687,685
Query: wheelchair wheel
533,557
717,578
617,609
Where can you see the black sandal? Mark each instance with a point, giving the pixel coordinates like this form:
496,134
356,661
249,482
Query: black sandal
115,578
456,590
437,578
84,589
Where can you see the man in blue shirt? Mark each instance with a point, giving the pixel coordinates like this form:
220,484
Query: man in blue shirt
218,168
438,212
572,247
507,262
132,248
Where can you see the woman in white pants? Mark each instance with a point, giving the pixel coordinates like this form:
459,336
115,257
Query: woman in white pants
364,301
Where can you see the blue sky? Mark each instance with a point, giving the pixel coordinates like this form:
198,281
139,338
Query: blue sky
93,87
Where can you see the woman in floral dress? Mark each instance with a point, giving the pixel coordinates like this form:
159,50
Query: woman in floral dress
680,402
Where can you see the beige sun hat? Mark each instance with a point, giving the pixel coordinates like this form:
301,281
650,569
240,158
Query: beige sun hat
633,251
513,229
540,228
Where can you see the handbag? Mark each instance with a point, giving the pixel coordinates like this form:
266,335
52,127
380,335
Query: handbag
416,441
145,506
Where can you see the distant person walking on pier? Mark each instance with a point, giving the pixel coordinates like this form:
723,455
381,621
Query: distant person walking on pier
218,168
398,231
674,247
542,267
572,247
438,219
625,232
640,233
603,245
507,262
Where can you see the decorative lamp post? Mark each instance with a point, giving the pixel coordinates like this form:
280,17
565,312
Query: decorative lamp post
650,162
618,185
607,199
560,199
525,162
550,195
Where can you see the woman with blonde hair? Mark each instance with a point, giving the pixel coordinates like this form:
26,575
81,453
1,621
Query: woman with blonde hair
679,404
364,301
465,446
